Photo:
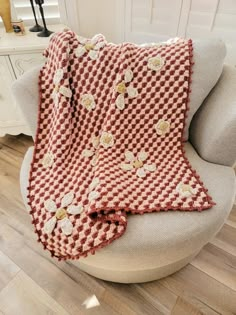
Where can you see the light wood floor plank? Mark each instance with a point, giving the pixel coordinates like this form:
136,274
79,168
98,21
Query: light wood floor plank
8,270
218,264
203,292
22,296
182,307
225,239
18,143
232,218
113,298
158,295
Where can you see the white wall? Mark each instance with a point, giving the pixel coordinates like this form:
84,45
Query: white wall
101,16
154,20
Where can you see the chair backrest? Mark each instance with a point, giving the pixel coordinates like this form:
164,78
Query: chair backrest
208,64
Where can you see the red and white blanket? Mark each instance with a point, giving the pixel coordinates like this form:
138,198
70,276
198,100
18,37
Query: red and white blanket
109,140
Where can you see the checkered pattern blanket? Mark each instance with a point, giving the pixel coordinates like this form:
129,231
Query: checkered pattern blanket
109,142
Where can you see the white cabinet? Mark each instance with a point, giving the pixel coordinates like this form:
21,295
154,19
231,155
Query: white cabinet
23,62
17,55
11,120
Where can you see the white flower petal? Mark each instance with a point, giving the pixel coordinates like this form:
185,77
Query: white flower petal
178,187
141,172
185,190
66,226
58,76
129,156
185,194
93,54
50,205
118,78
67,199
80,51
128,75
75,209
81,39
93,195
120,101
65,91
95,39
159,132
132,92
142,156
55,97
95,141
94,160
106,139
94,183
87,153
49,225
47,160
126,166
150,167
99,45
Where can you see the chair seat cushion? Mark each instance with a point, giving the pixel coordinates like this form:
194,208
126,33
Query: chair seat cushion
156,239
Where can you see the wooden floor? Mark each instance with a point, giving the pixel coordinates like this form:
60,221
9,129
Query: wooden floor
32,283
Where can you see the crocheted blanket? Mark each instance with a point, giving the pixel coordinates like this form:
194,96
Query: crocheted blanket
109,141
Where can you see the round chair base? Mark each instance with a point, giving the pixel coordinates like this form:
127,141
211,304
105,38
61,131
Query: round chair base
135,276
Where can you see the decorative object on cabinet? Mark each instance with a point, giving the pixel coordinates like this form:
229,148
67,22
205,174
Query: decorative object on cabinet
18,27
36,27
5,13
45,32
17,55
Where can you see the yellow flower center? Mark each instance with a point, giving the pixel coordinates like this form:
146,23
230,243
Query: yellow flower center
107,139
87,102
89,46
137,164
56,88
186,188
156,62
61,214
163,126
121,88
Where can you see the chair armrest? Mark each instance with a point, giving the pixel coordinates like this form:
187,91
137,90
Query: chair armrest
213,128
26,93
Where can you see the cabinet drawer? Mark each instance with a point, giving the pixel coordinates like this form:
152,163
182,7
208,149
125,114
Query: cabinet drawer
23,62
11,120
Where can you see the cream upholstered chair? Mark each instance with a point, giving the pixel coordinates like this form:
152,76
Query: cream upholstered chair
158,244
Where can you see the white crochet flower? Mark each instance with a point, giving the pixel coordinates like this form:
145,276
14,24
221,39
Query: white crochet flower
137,163
156,63
162,127
87,100
87,153
90,46
93,194
122,88
48,159
58,89
185,190
106,139
60,214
